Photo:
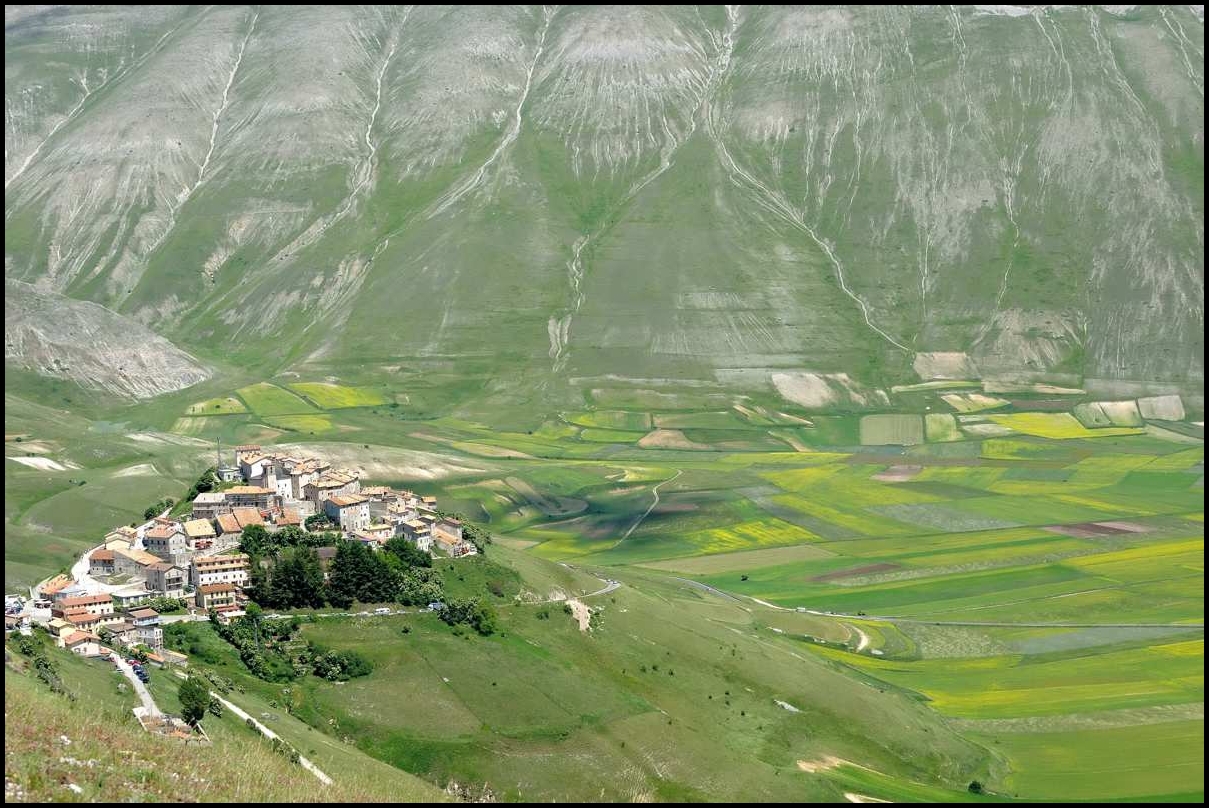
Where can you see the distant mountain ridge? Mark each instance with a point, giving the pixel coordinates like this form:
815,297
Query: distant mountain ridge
545,197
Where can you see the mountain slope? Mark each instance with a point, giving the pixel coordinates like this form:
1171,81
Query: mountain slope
708,194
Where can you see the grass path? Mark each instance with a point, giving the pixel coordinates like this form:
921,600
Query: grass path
647,512
265,731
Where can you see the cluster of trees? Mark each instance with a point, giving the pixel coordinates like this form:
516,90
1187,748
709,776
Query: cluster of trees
420,586
158,508
474,613
294,579
472,533
257,541
249,635
358,573
338,665
259,642
318,521
408,553
166,605
208,481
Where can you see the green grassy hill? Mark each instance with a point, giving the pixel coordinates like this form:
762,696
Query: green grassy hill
91,740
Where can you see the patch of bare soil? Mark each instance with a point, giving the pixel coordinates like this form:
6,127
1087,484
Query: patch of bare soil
854,571
898,474
669,439
821,765
581,613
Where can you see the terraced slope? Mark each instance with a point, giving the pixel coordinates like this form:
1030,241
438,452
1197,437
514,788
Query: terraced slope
533,196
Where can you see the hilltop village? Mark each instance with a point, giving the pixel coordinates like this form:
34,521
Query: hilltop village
197,560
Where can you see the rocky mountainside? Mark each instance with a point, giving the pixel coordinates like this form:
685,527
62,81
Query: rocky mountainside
92,346
552,195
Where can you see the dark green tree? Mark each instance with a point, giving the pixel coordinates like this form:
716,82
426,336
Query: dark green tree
255,541
195,700
297,579
408,553
358,574
317,522
294,536
258,582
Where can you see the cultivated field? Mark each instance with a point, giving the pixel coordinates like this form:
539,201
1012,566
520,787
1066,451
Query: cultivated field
1012,595
269,399
334,396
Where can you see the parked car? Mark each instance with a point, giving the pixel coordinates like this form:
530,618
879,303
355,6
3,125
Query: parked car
382,610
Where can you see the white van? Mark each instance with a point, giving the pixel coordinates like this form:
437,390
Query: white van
382,610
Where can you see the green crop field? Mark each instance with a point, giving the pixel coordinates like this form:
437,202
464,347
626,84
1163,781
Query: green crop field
1056,425
269,399
904,430
335,396
301,423
1008,597
610,419
217,406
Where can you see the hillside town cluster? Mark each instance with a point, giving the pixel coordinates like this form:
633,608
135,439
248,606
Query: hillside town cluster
198,558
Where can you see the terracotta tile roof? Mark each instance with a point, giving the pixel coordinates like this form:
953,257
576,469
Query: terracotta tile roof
248,490
199,528
211,589
348,501
78,637
86,600
83,618
141,557
162,532
289,517
57,584
101,555
335,479
143,614
161,566
247,516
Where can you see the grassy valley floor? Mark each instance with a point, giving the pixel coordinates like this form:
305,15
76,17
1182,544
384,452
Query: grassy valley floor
800,615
